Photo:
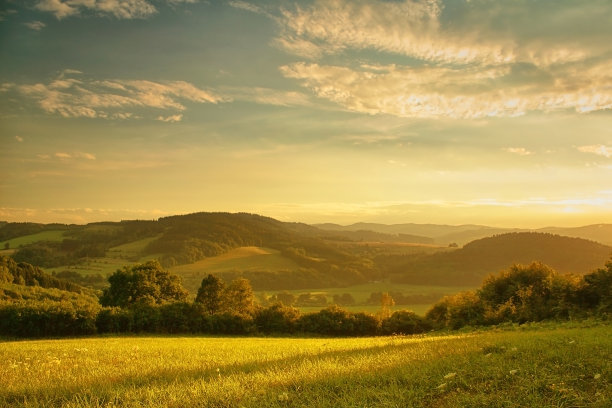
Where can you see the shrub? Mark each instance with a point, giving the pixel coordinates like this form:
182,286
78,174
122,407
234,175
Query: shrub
405,322
277,318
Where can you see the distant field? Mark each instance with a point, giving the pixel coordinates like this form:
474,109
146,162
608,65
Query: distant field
535,366
239,259
419,309
131,250
53,236
362,292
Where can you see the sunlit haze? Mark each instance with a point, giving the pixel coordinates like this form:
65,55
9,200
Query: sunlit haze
459,111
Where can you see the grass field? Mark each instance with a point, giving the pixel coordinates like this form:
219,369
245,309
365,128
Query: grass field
53,236
533,366
132,250
239,259
419,309
362,292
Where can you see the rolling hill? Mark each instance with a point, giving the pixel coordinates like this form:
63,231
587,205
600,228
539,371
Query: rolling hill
277,255
472,263
462,234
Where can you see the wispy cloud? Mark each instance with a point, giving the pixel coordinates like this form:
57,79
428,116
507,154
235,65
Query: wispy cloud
521,151
35,25
431,92
268,96
79,215
467,69
121,9
171,118
415,28
600,150
111,99
19,138
243,5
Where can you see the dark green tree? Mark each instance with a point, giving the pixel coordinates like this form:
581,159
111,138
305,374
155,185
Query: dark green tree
238,298
143,284
210,294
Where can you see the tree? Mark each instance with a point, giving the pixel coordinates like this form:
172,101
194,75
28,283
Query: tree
238,297
143,284
386,303
595,291
211,294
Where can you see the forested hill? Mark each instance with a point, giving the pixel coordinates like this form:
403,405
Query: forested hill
187,239
462,234
25,274
472,263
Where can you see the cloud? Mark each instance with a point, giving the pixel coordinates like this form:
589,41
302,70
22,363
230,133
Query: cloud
600,150
121,9
452,59
111,99
243,5
484,32
77,215
63,155
521,151
444,91
268,96
35,25
85,155
171,118
19,139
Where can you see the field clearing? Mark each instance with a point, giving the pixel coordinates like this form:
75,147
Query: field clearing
52,236
239,259
419,309
102,266
362,292
532,366
132,250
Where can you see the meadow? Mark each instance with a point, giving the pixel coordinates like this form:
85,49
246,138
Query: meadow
534,365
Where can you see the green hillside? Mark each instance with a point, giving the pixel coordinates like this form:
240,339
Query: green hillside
472,263
242,261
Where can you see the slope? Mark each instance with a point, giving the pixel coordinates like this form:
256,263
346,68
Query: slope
473,262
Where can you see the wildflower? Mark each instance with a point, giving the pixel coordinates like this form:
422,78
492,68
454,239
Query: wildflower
449,375
513,349
571,342
283,397
512,372
488,355
441,386
597,376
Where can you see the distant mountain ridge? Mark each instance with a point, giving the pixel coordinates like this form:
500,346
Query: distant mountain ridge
462,234
472,263
304,256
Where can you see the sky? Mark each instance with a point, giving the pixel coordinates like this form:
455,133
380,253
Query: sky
491,112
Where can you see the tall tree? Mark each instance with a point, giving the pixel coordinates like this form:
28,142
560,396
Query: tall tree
211,294
239,297
145,283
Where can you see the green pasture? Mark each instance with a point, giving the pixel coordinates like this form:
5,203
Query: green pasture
362,292
564,365
239,259
52,236
419,309
132,250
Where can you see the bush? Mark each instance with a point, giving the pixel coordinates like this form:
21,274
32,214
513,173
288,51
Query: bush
277,318
46,319
114,320
228,323
405,322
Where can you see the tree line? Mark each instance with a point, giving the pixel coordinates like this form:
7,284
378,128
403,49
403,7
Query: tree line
148,299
